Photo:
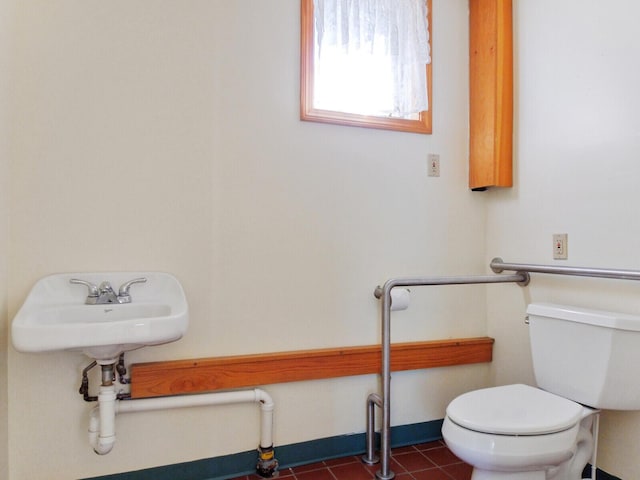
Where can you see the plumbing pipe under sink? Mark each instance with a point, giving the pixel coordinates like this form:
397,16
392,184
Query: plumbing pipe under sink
102,418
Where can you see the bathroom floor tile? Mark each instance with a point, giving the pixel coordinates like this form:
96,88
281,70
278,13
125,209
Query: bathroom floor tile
323,474
441,456
412,461
351,471
425,461
430,445
431,474
459,471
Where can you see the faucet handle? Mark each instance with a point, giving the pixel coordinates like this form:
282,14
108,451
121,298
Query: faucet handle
123,293
93,290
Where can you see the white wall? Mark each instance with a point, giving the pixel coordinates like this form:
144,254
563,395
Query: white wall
164,135
577,170
5,28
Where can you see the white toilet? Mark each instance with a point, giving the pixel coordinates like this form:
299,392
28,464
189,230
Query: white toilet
583,360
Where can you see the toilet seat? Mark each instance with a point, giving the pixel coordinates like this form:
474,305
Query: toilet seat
514,410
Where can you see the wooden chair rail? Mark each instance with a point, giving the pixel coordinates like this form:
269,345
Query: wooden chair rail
157,379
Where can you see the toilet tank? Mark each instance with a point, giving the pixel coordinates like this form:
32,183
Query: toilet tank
589,356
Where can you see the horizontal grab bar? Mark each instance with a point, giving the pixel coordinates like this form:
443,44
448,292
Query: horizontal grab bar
521,278
498,266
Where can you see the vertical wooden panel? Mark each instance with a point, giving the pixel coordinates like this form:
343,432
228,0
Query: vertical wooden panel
491,93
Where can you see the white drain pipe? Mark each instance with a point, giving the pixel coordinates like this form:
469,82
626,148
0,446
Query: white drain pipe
102,418
102,421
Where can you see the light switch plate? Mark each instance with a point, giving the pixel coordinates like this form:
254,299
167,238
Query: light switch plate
434,165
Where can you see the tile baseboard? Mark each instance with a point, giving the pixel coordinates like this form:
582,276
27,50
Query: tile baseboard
220,468
293,455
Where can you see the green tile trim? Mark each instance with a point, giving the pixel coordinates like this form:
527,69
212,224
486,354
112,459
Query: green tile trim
229,466
600,475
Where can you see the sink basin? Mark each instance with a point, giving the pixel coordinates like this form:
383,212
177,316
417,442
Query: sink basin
55,317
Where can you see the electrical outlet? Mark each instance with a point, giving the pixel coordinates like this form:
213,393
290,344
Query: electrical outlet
434,165
560,245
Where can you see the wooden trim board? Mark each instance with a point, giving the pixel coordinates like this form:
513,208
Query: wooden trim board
176,377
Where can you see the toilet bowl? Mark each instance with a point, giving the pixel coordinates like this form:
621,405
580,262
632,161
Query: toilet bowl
518,432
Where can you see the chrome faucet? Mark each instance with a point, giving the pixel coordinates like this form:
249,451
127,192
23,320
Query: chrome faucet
104,294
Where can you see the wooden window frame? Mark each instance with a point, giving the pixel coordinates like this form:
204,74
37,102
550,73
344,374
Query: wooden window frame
308,113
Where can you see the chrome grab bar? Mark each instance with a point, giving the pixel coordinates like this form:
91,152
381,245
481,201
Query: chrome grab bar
384,293
521,277
498,266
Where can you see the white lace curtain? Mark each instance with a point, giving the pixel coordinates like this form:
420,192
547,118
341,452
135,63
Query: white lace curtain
366,31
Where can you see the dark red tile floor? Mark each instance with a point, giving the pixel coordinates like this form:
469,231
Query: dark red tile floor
426,461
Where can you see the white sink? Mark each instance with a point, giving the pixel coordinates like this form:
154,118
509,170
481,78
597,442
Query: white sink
55,317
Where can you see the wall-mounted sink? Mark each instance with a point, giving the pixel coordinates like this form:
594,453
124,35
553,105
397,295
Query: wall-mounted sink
55,315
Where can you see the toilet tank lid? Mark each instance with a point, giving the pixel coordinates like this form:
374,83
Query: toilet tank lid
619,321
514,410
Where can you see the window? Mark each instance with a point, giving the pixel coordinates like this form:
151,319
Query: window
358,70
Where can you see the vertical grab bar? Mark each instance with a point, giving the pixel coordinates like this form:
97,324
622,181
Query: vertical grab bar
385,473
370,457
